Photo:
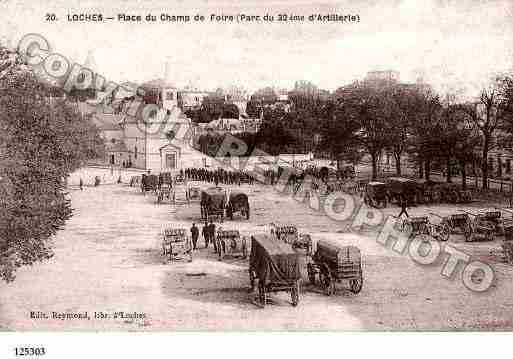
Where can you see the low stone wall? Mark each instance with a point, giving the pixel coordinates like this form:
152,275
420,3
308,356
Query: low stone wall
108,175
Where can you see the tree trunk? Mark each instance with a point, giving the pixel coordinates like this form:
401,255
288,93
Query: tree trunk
448,170
397,157
484,164
463,175
374,159
427,169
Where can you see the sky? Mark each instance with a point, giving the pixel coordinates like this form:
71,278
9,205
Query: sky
454,45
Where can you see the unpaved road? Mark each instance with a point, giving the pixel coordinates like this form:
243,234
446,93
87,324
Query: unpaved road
108,259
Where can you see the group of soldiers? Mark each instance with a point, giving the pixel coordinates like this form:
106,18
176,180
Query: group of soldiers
218,176
208,231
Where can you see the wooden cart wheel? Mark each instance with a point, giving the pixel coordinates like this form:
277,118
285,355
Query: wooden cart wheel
311,273
261,293
294,294
356,285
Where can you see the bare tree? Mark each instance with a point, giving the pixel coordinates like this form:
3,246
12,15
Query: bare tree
486,115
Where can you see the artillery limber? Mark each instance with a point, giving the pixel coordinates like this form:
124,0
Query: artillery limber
212,203
481,229
276,267
415,225
238,202
229,242
422,226
376,194
287,234
457,223
135,181
176,243
334,262
165,187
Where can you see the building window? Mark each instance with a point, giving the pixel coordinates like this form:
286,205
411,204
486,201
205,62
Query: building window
113,140
169,96
508,166
170,160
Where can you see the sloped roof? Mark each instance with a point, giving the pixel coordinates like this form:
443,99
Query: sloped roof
107,121
157,83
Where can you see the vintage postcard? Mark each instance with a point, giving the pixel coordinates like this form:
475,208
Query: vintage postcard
255,166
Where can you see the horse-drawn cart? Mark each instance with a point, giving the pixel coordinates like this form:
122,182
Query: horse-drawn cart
176,243
276,267
335,262
237,202
193,192
165,187
229,242
376,194
213,203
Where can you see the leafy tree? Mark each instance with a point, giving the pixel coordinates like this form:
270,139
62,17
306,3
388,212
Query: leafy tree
42,140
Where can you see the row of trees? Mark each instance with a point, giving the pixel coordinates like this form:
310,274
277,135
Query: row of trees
400,120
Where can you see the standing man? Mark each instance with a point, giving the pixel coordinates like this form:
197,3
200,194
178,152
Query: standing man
404,204
204,233
212,234
194,235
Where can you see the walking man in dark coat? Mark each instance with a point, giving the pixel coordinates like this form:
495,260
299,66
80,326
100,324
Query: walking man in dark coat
204,233
404,204
194,235
212,234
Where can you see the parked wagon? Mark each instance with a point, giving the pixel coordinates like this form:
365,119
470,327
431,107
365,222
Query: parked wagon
457,223
426,192
238,202
449,192
176,243
507,243
229,242
165,188
400,187
135,181
149,183
304,241
193,191
287,234
212,203
276,267
422,226
415,225
334,262
376,194
481,229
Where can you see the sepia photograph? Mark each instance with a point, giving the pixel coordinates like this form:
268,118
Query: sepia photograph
255,166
